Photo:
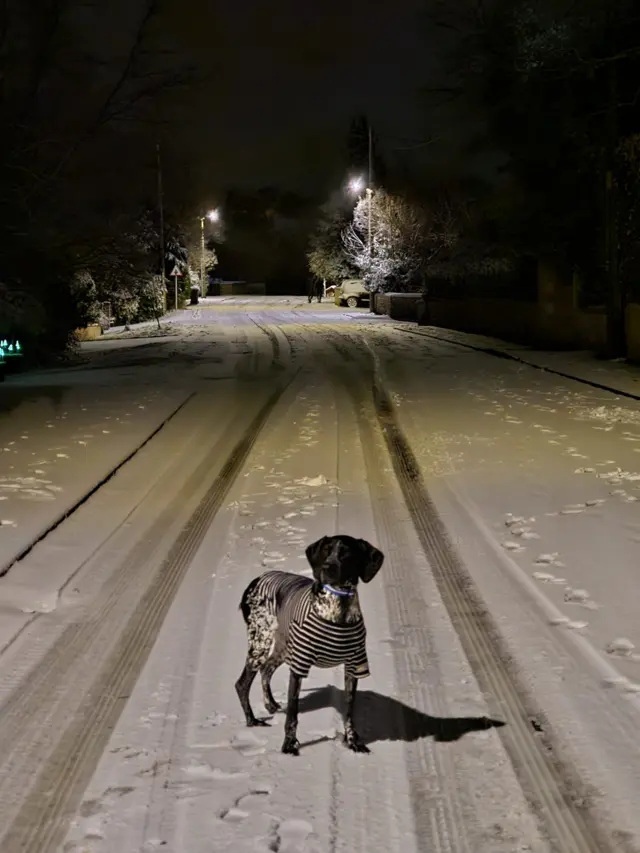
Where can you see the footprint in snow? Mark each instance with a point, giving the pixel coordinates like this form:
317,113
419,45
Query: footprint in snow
290,834
248,744
547,559
544,577
205,772
623,648
581,597
514,547
568,623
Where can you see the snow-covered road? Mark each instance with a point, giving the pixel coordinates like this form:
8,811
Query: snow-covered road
502,710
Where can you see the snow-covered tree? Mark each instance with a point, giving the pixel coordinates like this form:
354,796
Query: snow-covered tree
175,254
326,257
85,294
194,260
405,238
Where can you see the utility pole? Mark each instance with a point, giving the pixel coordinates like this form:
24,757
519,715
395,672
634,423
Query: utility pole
202,287
370,183
369,199
161,215
616,331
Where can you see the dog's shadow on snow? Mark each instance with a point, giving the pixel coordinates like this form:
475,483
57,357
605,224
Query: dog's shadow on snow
379,718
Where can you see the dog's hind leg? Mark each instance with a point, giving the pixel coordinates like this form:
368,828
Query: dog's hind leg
243,688
275,659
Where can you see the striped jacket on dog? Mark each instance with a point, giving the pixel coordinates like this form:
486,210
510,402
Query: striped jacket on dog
309,640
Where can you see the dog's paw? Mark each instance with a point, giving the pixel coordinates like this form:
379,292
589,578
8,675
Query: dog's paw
353,743
291,746
273,707
254,721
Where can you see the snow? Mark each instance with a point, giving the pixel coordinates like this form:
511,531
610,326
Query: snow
498,443
514,458
59,443
615,374
192,772
536,477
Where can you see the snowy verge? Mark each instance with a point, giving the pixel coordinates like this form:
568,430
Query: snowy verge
191,769
522,458
70,671
590,725
117,509
616,375
49,461
448,753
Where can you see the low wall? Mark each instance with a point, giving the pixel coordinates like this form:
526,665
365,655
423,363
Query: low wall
403,306
90,333
242,288
499,318
633,332
562,327
380,303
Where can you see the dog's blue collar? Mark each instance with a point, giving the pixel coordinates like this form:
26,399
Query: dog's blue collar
347,593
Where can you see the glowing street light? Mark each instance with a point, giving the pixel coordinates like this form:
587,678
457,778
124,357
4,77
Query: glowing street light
212,216
357,185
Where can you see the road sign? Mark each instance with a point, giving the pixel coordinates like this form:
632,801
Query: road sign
175,271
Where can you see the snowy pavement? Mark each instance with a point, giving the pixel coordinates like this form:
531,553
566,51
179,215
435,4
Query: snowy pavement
59,443
502,710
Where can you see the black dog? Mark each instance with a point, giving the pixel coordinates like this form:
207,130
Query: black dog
302,622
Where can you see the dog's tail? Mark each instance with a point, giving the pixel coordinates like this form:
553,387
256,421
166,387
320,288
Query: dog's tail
244,601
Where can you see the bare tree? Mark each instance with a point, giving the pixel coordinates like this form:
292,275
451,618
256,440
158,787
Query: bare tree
77,111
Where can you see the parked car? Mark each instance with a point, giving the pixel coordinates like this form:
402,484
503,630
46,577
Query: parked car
352,293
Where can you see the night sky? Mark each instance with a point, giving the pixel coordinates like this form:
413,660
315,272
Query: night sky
287,77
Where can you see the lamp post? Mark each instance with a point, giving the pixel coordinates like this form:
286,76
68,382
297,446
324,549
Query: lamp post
212,216
356,186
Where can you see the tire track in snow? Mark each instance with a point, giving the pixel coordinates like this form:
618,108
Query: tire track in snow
59,783
6,568
440,821
570,828
281,359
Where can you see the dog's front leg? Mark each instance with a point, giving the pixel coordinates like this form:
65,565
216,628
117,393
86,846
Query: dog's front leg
243,688
290,745
351,737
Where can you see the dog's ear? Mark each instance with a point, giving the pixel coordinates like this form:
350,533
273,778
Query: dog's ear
372,560
316,553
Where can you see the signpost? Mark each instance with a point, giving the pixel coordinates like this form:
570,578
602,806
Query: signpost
175,272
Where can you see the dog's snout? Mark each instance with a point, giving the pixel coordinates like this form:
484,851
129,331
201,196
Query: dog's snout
331,569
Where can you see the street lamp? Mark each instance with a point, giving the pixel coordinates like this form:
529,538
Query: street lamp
212,216
356,185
